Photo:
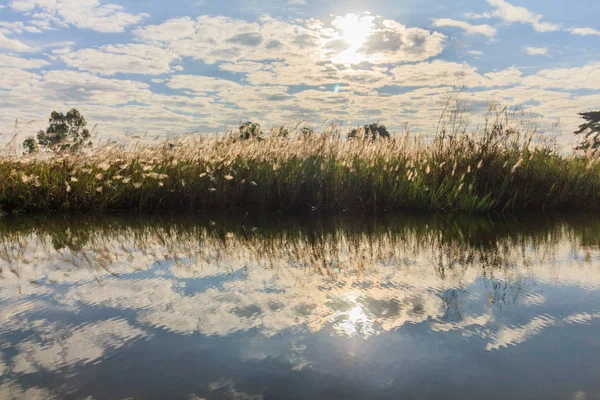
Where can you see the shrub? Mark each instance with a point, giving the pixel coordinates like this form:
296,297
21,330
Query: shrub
249,130
369,132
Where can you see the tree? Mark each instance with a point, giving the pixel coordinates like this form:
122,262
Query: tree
307,132
369,132
30,146
249,130
65,131
590,130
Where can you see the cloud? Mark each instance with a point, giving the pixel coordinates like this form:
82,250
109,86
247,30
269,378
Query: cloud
17,62
585,77
218,39
536,51
392,42
124,58
84,14
470,15
17,27
511,13
169,31
251,39
585,31
351,68
444,73
470,29
214,39
297,2
202,84
17,80
85,88
12,44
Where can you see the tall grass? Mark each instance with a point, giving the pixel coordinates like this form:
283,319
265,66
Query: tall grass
497,168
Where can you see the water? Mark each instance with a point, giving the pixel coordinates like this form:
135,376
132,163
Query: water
380,307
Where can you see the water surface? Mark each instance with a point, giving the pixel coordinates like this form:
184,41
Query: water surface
353,307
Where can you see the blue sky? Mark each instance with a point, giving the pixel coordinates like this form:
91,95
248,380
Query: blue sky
177,66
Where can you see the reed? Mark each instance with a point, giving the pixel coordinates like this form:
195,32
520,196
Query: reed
499,167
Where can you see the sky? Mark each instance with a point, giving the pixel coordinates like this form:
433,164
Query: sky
165,68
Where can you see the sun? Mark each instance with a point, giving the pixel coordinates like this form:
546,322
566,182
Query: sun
354,30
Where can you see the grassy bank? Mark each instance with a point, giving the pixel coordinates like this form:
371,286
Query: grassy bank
495,169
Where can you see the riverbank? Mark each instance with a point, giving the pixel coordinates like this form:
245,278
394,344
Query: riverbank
496,169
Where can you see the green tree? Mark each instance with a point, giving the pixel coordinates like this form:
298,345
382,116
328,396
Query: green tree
65,132
591,131
307,132
30,146
369,132
249,130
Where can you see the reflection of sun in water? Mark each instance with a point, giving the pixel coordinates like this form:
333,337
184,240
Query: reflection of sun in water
353,322
354,30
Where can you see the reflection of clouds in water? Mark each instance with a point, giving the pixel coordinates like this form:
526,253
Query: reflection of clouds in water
13,391
534,299
58,347
225,389
13,315
359,286
468,326
499,335
300,299
515,335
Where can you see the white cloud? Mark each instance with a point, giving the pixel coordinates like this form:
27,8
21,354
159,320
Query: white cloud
297,2
17,80
84,88
17,62
470,29
124,58
471,15
169,31
214,39
585,77
444,73
12,44
359,55
536,51
511,13
202,84
585,31
47,22
84,14
17,27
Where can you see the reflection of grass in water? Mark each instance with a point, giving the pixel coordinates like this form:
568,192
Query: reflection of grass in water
358,275
495,169
334,247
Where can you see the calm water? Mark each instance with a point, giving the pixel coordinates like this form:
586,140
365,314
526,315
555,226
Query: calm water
386,307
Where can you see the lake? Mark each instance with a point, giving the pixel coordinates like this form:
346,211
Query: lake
271,306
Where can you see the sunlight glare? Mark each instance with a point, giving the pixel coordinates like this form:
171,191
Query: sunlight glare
354,30
353,322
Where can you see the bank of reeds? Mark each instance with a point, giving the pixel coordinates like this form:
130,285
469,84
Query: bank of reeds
496,168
